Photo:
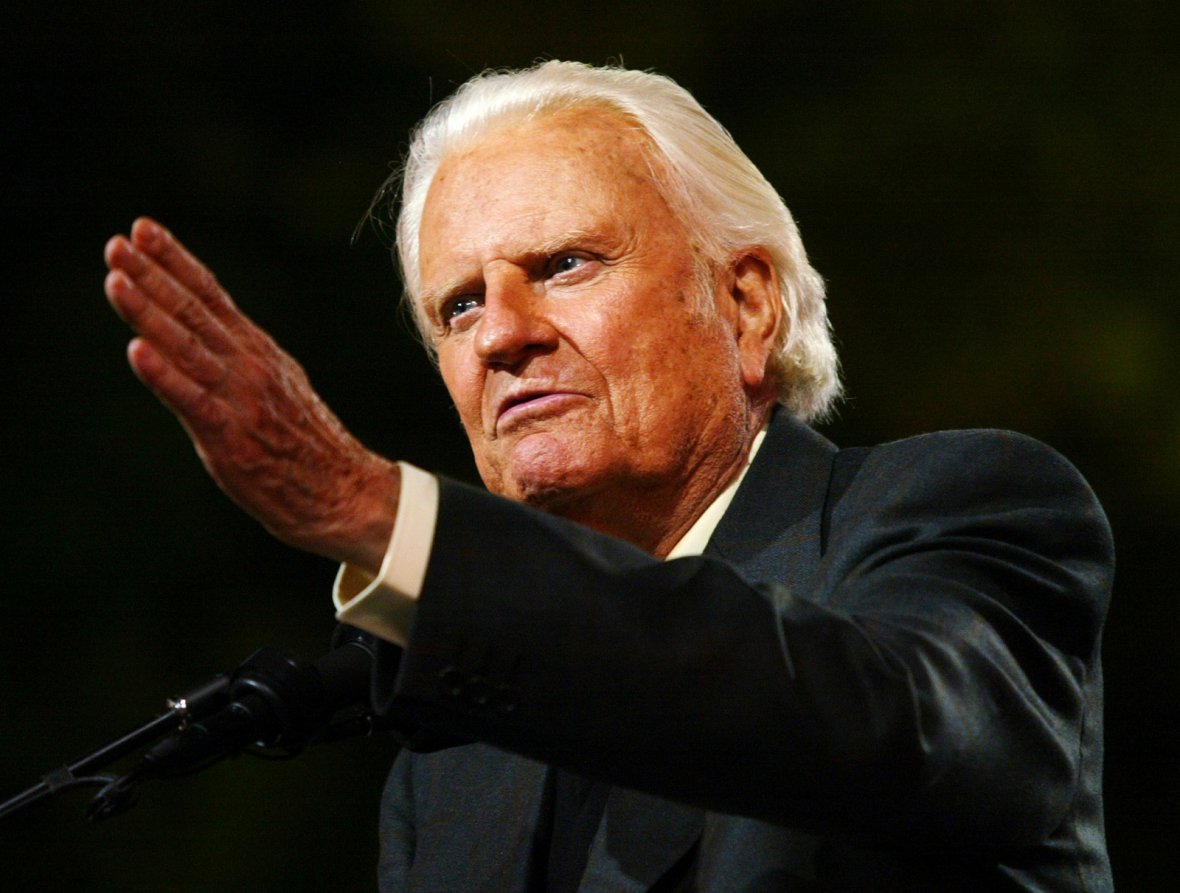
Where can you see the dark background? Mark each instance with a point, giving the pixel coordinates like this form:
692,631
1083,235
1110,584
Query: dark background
990,189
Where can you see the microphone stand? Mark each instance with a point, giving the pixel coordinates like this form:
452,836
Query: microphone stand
272,702
203,699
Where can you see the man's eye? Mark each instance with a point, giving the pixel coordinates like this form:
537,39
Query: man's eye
456,307
566,263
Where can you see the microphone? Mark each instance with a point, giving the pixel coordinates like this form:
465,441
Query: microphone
272,700
276,700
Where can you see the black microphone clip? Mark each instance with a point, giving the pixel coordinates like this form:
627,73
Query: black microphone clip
274,704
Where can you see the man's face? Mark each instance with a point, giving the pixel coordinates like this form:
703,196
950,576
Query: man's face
563,298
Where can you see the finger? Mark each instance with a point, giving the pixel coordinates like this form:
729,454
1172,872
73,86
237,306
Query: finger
153,239
192,403
157,284
198,348
159,288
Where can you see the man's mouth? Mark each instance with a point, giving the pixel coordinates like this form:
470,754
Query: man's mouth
528,406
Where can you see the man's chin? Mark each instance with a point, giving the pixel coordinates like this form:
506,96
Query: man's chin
548,493
550,468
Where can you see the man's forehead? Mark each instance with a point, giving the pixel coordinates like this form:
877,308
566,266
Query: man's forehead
540,179
591,138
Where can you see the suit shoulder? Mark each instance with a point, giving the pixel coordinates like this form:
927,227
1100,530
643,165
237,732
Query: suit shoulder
975,473
965,440
972,500
976,452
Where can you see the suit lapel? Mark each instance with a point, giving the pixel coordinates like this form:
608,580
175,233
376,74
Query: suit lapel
639,839
772,530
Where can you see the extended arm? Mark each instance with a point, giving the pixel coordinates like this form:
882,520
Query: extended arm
939,677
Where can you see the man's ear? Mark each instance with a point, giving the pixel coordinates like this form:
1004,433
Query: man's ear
754,288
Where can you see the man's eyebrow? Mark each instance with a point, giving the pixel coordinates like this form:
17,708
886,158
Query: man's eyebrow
435,296
567,240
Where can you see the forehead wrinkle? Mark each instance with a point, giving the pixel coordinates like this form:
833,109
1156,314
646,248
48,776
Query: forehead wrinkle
627,151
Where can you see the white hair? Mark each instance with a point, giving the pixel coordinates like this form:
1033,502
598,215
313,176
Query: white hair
726,202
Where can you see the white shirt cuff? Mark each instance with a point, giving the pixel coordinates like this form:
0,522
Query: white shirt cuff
384,605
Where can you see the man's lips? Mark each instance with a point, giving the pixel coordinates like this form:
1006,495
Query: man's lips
532,405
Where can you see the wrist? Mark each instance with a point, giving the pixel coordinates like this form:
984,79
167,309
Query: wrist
360,531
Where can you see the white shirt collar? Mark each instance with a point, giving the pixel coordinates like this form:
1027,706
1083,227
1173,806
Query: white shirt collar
697,537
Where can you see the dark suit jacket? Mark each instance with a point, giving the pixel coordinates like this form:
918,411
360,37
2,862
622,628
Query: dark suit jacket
882,675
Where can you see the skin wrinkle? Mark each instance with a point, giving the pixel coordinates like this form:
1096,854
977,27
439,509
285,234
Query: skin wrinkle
563,242
648,405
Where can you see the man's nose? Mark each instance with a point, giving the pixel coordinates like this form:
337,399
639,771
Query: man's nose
513,324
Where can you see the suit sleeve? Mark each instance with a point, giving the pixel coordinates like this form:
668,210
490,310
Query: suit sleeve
935,680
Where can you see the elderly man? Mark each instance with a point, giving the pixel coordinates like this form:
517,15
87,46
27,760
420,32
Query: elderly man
724,654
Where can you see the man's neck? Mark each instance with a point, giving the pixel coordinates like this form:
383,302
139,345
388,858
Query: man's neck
655,516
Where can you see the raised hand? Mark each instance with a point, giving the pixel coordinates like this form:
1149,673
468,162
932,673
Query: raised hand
261,430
